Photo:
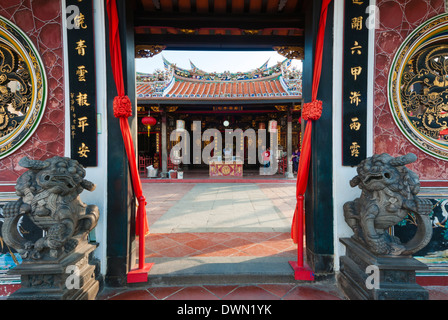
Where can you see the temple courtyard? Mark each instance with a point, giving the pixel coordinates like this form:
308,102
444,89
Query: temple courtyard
225,241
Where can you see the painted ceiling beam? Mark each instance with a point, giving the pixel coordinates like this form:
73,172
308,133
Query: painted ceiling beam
197,21
217,42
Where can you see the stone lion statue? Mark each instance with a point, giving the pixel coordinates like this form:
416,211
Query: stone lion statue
389,193
49,194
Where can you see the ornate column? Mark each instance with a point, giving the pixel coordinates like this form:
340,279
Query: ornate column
164,143
289,173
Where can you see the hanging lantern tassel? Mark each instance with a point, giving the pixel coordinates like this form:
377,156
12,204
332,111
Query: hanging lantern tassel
148,122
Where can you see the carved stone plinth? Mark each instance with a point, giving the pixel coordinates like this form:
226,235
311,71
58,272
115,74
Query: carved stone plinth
395,275
68,278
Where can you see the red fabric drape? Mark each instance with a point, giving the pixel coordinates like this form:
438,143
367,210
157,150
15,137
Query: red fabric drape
319,49
305,155
117,70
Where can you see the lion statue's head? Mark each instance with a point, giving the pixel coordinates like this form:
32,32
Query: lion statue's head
384,171
60,175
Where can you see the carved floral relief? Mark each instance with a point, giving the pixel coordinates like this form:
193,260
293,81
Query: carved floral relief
23,88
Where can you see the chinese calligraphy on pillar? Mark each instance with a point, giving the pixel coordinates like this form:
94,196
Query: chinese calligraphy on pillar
355,67
81,63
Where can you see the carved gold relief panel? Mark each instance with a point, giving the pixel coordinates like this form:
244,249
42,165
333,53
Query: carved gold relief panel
23,88
418,87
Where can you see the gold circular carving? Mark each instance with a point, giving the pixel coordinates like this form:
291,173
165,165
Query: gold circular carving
418,87
23,88
225,169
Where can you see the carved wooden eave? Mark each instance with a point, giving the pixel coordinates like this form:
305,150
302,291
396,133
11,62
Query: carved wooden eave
281,5
156,4
291,52
296,107
251,31
166,109
148,51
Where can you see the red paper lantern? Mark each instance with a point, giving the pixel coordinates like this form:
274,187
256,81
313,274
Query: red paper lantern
148,122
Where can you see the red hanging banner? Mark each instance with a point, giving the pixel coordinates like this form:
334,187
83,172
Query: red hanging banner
311,112
122,110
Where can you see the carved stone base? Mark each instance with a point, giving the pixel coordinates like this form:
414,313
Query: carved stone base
69,278
396,280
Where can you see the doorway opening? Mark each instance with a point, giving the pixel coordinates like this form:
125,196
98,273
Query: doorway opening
159,25
223,99
218,212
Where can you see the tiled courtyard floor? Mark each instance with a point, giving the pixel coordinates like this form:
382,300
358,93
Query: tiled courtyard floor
219,220
223,207
196,238
245,292
237,222
220,244
230,292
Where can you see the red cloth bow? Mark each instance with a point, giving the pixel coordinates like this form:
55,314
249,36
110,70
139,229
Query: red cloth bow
312,110
122,107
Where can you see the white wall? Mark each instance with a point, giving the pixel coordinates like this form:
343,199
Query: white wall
97,175
342,192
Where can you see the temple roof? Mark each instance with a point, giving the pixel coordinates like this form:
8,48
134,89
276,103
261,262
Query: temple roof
280,81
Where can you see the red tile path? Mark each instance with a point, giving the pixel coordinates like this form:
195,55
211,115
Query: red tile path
220,244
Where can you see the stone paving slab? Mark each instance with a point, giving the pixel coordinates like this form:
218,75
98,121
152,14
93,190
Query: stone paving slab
223,208
220,270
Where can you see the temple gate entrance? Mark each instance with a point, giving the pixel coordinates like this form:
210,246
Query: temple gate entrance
151,26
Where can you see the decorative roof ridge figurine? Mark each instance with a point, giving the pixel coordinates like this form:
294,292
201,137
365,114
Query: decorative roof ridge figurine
198,74
389,193
49,194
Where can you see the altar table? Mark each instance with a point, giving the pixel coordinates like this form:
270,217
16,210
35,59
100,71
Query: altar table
226,169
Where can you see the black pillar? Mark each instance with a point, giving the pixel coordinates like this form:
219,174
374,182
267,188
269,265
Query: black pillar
319,194
120,199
